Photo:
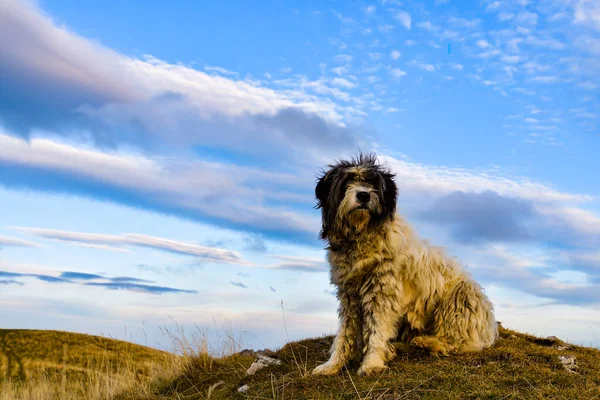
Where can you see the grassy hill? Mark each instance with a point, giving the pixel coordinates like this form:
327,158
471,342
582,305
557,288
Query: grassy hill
518,366
54,364
62,365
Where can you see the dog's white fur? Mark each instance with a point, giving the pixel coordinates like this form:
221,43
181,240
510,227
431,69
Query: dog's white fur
392,286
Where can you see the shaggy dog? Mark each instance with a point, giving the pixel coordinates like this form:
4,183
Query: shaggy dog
391,286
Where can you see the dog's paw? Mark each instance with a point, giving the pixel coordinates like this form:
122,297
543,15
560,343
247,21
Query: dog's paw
371,367
326,369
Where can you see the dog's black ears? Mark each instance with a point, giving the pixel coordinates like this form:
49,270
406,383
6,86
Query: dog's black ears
323,188
322,194
390,193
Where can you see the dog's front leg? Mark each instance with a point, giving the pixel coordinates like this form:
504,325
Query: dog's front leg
347,340
381,314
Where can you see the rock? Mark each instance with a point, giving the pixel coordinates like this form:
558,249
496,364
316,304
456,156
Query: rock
512,336
248,352
243,389
564,347
260,363
569,363
255,353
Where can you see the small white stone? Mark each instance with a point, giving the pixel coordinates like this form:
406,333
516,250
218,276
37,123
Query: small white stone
243,389
260,363
569,363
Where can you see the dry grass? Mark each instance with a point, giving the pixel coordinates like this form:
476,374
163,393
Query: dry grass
518,366
62,365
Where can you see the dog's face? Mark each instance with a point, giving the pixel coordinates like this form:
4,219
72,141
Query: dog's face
355,195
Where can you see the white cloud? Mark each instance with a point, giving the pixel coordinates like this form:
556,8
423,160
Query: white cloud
458,67
493,6
548,42
375,56
428,26
524,91
489,53
587,12
410,42
397,72
510,70
423,66
345,20
432,181
220,70
339,70
395,54
343,58
344,83
370,10
513,45
588,85
296,263
385,28
505,16
464,22
14,242
206,253
404,19
182,185
533,67
527,18
546,78
56,55
510,59
484,44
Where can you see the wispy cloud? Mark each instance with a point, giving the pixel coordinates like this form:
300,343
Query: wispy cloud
184,189
546,78
220,70
86,279
423,66
14,242
397,73
6,282
205,253
303,264
239,284
370,10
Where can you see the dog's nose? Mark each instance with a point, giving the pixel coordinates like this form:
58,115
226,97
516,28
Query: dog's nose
363,197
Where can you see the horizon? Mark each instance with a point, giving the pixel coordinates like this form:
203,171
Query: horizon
158,163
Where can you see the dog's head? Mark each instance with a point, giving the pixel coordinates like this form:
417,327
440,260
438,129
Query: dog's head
355,195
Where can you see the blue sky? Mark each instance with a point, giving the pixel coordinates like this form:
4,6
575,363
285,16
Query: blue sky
157,163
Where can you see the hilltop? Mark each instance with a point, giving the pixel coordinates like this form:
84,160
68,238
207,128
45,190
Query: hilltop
54,364
518,366
64,365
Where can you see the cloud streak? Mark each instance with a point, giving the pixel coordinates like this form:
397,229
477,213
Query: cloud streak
211,192
86,279
205,253
14,242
